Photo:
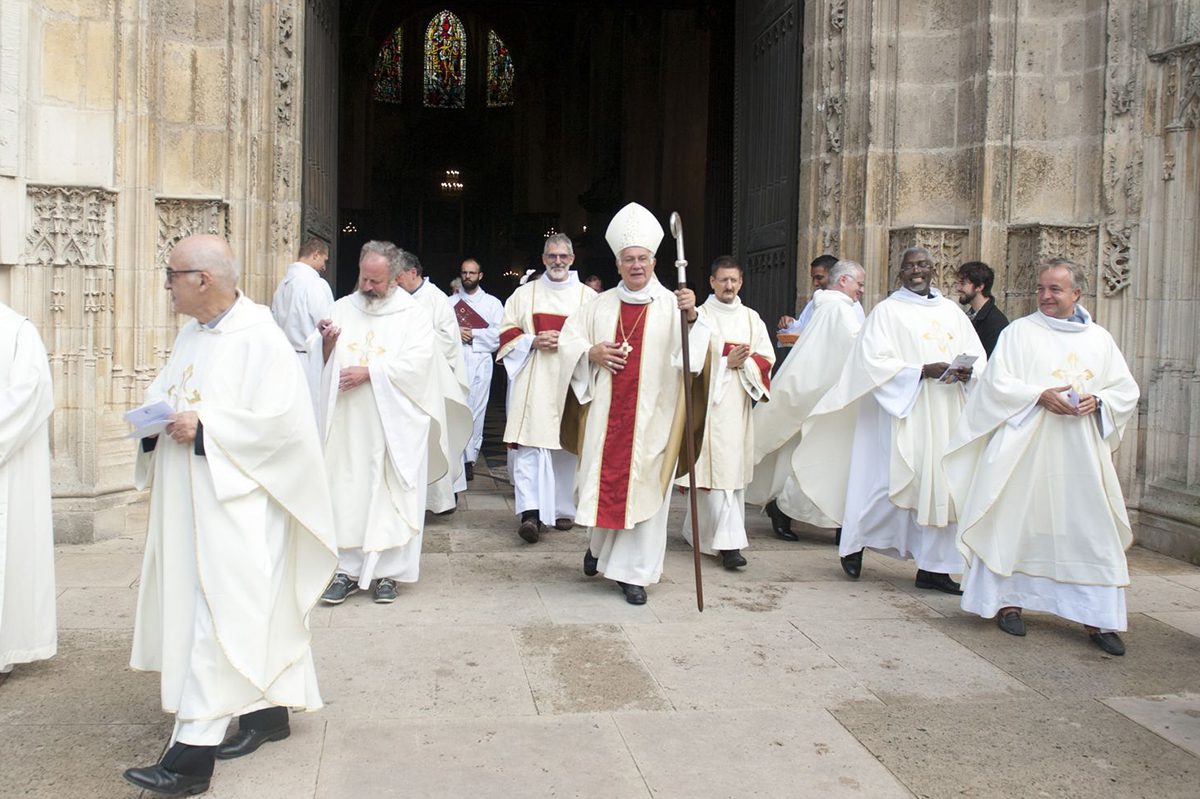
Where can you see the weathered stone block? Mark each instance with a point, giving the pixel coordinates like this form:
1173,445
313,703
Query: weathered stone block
211,150
177,17
178,159
99,60
62,68
930,119
933,186
1043,182
211,19
175,101
928,59
210,87
94,9
72,146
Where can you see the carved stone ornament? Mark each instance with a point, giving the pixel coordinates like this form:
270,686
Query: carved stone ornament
1031,245
70,226
946,244
1117,272
180,217
1181,92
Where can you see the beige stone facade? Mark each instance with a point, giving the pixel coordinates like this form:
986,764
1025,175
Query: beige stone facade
125,125
1009,130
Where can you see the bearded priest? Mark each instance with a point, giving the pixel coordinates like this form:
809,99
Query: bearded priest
1038,435
625,418
742,357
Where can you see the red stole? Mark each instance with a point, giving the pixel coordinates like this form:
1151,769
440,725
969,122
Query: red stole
622,414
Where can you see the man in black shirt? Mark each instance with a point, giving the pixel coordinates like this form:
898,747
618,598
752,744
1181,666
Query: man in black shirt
974,288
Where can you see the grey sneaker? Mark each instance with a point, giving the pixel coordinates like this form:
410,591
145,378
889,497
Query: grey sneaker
385,591
340,587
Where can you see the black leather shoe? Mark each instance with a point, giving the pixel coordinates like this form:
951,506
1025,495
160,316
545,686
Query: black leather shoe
591,564
634,594
564,524
185,770
1011,622
852,565
469,471
530,528
780,523
165,782
1109,642
937,581
732,559
244,742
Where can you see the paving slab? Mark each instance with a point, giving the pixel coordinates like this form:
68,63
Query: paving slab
1175,717
1186,620
443,605
773,753
594,600
705,665
1191,579
842,599
573,756
447,671
88,682
1151,594
91,758
1057,659
907,661
75,568
97,608
499,568
1019,748
1145,562
586,669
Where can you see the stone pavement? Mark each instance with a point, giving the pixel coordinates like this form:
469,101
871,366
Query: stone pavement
505,672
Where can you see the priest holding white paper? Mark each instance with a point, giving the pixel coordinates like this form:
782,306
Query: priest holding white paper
27,613
812,366
541,471
742,357
1042,518
628,424
240,540
889,490
388,427
479,315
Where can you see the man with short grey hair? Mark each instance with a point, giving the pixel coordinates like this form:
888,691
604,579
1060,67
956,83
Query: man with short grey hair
239,545
1042,518
812,366
383,419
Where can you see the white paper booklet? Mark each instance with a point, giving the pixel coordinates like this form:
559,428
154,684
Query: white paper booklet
961,361
149,420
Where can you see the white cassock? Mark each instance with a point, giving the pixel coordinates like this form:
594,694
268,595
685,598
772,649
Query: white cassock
482,312
300,302
27,620
447,343
1042,518
725,463
542,472
388,439
632,427
889,492
240,542
809,370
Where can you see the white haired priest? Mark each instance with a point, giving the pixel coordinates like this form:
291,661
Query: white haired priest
742,357
1041,515
812,366
625,346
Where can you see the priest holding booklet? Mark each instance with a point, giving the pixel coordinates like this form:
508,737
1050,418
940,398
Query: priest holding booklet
897,399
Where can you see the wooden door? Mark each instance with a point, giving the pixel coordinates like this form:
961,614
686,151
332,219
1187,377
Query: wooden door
767,152
319,186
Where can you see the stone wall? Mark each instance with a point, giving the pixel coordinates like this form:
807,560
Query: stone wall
125,125
1016,130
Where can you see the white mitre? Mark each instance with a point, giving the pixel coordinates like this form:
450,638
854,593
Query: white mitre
634,226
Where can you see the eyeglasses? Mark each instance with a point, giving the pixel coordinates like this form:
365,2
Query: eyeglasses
557,256
171,273
908,266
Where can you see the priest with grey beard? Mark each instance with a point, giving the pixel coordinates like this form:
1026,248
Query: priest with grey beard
383,417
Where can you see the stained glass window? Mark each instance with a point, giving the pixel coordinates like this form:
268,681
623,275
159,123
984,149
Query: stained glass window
445,62
388,69
499,72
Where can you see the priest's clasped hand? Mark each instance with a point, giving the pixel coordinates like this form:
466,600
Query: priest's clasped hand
738,355
547,340
608,355
182,427
1055,400
352,377
686,299
934,371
